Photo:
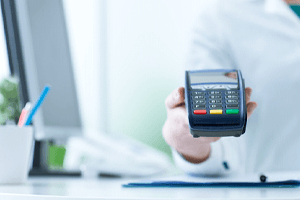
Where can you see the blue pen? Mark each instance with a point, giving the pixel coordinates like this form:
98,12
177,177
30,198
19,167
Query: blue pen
38,104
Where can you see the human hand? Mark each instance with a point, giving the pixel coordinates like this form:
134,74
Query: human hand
176,128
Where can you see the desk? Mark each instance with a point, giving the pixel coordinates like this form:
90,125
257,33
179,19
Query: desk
105,188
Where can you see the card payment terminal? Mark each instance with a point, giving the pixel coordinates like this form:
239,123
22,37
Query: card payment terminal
215,103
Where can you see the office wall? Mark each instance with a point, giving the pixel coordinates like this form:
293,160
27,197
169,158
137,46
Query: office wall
86,30
147,44
146,47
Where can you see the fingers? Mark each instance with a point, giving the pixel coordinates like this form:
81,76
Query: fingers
209,139
232,75
250,108
251,105
248,92
175,99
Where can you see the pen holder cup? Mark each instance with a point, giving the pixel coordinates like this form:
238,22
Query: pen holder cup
15,148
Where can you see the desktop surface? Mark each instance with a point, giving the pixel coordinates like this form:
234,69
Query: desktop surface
111,188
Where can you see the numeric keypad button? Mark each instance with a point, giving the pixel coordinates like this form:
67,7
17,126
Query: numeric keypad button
232,101
231,92
215,106
232,106
199,102
198,93
198,97
199,106
215,92
215,101
231,97
215,97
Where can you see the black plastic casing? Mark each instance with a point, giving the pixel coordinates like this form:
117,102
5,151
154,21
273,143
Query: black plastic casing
222,125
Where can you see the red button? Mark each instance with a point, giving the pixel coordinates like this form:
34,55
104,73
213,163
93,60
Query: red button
199,112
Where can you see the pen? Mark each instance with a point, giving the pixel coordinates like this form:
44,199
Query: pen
38,104
24,114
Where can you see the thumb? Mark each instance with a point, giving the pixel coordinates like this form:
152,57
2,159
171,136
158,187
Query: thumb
175,99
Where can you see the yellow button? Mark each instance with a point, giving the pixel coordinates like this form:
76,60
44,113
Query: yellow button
216,112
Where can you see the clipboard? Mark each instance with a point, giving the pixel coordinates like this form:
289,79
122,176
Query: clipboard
275,184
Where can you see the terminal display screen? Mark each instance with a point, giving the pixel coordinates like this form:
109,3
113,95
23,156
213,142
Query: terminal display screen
213,77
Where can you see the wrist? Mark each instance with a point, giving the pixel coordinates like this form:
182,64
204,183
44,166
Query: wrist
199,156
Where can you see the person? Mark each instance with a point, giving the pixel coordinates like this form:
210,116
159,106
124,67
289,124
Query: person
262,39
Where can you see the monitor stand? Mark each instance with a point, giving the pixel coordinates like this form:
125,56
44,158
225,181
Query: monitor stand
40,163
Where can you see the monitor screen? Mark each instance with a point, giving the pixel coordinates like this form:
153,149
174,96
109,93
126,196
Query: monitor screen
4,64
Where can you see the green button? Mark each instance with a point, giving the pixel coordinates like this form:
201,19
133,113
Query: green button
232,111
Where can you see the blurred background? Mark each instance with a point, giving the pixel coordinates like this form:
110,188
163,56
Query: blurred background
146,45
127,57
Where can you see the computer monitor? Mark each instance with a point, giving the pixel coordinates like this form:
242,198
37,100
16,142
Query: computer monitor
38,54
47,60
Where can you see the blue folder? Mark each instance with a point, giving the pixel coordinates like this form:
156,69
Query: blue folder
277,184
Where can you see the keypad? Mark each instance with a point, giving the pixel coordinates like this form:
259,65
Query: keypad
215,102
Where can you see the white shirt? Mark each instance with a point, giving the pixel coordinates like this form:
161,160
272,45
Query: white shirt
262,39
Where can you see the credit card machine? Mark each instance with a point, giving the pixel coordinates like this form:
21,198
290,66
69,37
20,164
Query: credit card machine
215,103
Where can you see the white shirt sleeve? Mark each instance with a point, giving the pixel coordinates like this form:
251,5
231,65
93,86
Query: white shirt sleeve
226,156
210,50
213,165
